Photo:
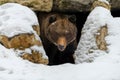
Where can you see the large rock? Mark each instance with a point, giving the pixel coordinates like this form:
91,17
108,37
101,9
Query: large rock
93,36
19,30
72,5
39,5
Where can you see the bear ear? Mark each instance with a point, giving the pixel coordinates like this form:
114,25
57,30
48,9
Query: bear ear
72,18
52,19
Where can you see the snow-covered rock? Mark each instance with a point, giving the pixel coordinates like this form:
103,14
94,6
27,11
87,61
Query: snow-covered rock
19,29
87,48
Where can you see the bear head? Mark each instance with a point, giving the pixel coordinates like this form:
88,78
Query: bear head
61,30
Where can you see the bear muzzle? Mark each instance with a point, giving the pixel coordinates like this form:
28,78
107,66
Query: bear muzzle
61,43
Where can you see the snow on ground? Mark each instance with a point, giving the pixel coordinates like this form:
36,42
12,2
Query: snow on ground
14,68
105,67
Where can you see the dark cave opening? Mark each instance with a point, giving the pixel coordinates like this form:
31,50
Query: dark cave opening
80,20
115,13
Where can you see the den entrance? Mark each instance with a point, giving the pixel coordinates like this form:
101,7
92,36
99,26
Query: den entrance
62,57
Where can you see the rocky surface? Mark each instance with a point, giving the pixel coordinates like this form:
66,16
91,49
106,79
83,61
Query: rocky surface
100,38
80,5
61,5
115,4
72,5
22,42
39,5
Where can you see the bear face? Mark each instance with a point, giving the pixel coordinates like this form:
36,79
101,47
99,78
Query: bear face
61,30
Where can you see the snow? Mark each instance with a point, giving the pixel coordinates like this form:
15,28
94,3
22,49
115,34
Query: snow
106,66
18,19
14,68
87,48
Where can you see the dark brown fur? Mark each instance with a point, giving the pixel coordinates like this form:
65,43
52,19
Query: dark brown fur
58,34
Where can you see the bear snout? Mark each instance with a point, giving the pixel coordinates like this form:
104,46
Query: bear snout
61,43
61,47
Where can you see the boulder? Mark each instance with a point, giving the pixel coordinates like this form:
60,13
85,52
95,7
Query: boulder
20,31
93,42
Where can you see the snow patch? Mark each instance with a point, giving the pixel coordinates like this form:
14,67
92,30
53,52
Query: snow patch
17,19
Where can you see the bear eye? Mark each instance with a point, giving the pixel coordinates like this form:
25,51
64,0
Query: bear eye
52,19
72,18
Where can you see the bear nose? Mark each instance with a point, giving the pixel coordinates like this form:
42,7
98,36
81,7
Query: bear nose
61,43
61,47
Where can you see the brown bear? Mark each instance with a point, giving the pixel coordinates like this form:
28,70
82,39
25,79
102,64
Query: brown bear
58,33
